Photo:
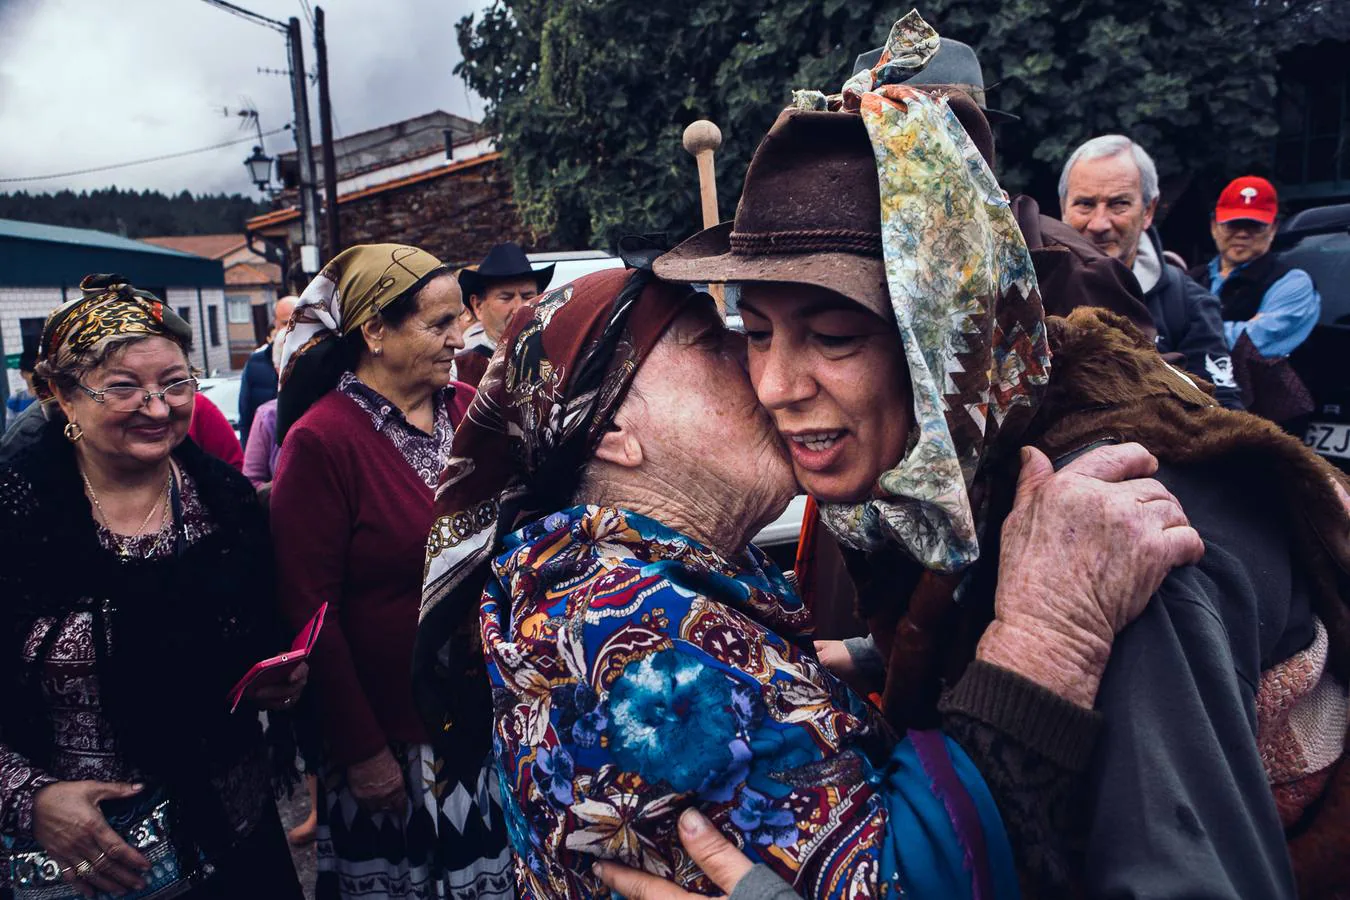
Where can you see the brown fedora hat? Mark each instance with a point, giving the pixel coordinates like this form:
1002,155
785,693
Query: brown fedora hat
810,212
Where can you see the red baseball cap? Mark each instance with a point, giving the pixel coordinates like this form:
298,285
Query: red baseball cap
1248,197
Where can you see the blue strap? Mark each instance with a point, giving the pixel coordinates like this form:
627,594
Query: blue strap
923,853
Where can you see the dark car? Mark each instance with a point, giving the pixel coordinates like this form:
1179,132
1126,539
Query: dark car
1318,241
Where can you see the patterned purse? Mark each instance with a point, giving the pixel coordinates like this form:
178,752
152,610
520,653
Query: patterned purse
144,825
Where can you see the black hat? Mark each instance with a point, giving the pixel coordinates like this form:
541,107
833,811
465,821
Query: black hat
953,65
502,263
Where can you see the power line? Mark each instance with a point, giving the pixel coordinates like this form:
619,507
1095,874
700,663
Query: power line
309,13
247,15
139,162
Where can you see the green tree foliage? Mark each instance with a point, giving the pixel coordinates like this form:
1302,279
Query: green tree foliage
133,213
1193,82
590,97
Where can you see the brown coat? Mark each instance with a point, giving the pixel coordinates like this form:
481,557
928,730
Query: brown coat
1109,382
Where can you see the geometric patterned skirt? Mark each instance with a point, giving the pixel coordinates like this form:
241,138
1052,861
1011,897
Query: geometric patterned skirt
450,843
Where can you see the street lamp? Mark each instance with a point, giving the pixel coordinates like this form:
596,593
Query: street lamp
259,168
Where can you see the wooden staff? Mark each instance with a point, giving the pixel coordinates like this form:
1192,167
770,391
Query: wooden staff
701,139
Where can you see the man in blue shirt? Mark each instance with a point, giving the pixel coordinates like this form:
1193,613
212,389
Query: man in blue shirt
1272,303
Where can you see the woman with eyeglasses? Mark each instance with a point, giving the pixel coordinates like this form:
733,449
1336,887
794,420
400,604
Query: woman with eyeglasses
140,589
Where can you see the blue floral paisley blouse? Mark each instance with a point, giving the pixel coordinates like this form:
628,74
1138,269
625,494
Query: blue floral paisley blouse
636,673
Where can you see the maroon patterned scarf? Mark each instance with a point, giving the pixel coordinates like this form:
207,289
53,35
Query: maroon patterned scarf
552,388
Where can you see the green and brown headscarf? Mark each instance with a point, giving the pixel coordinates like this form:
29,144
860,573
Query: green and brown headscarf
108,306
353,288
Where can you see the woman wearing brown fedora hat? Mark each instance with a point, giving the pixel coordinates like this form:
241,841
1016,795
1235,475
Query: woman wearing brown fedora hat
897,335
595,624
897,340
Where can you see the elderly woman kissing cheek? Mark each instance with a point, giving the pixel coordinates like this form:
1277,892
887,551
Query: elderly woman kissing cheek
897,334
642,659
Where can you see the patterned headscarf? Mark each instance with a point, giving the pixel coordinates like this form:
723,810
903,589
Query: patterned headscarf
108,306
964,293
552,388
354,286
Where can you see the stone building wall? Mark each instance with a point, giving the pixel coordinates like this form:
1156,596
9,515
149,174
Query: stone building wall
457,217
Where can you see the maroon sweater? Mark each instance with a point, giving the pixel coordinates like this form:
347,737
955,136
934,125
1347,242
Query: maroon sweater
350,520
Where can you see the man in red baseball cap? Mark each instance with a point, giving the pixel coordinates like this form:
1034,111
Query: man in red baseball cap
1274,304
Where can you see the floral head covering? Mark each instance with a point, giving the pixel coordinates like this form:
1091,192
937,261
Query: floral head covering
966,303
108,306
354,286
552,388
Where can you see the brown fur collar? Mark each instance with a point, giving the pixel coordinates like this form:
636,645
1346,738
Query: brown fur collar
1109,381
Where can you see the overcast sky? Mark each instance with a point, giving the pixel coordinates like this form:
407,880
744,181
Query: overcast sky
85,83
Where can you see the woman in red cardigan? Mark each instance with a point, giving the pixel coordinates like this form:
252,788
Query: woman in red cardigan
368,419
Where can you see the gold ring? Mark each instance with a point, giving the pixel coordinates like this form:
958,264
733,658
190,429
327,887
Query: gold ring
83,869
100,858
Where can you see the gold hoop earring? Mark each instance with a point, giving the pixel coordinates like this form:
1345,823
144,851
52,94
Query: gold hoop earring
73,432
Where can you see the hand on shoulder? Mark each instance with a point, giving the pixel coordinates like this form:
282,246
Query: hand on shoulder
1083,551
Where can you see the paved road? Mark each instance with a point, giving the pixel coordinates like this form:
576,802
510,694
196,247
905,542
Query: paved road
294,811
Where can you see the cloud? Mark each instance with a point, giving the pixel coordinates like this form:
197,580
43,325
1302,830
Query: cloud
85,83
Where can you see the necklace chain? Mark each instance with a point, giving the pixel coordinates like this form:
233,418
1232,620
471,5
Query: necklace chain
124,541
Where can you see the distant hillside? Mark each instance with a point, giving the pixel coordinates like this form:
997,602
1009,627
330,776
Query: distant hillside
134,213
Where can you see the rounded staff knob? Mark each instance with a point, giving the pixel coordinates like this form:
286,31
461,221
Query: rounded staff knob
702,135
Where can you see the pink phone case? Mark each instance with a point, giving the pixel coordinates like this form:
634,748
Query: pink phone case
279,668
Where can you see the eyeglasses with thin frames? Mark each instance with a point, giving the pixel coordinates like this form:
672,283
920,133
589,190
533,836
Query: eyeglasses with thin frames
125,398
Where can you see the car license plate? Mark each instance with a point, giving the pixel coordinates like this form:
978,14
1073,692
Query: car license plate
1328,439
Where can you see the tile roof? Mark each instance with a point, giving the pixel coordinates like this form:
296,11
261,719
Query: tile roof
211,246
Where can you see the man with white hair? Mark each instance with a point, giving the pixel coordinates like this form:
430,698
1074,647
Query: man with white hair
258,383
1108,192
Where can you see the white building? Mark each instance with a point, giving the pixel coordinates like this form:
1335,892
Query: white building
41,266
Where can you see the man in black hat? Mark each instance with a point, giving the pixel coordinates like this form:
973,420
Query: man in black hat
493,290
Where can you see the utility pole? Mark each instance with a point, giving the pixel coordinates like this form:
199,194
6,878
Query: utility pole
330,178
304,147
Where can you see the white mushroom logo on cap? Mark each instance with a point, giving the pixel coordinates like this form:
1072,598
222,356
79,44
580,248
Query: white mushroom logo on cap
1248,195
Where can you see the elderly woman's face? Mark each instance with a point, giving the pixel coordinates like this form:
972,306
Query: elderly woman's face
700,421
148,434
834,377
422,348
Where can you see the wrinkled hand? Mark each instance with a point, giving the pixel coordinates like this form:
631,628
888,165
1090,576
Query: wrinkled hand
1083,551
377,784
718,857
69,825
283,696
